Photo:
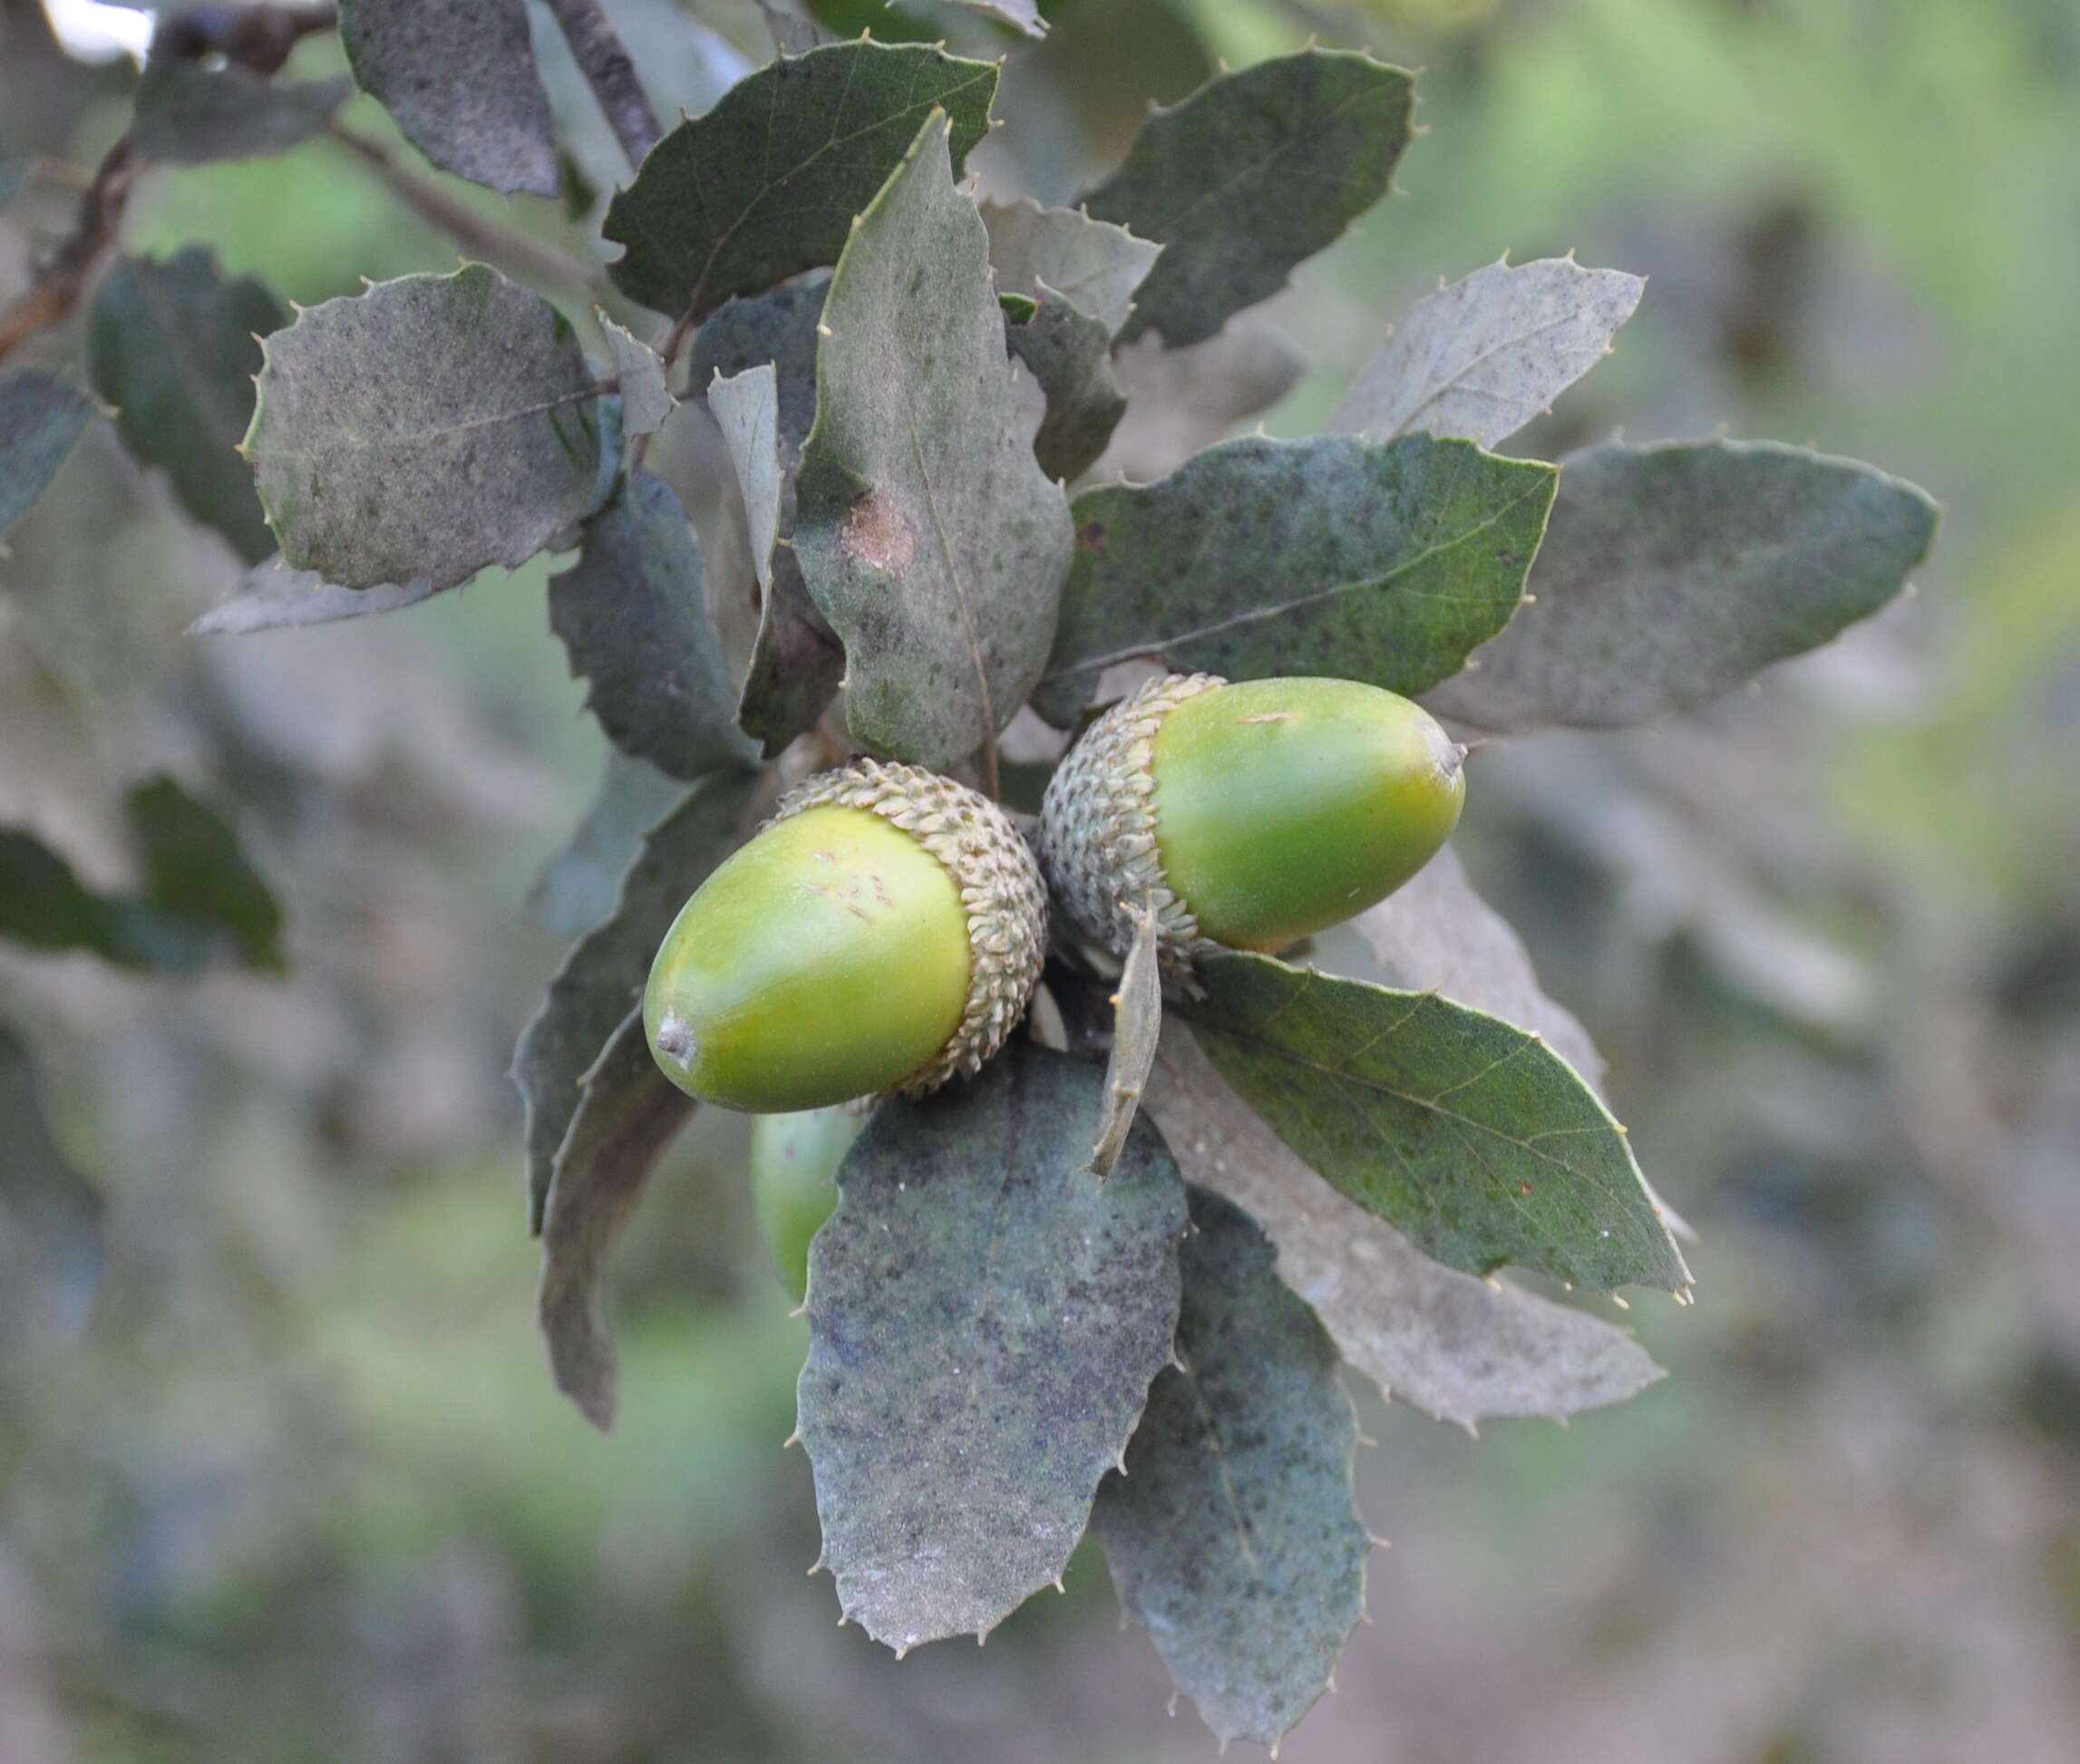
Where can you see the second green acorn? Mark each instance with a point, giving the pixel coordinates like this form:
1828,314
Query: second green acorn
1248,816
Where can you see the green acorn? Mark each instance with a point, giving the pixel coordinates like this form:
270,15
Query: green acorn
795,1162
1248,816
882,932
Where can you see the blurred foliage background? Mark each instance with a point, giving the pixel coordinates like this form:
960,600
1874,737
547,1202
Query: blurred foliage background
301,1489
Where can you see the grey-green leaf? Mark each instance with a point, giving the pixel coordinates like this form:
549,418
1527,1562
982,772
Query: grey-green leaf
1455,1346
796,660
766,184
271,596
1137,1022
577,888
601,980
1180,400
174,347
985,1320
627,1113
1385,562
458,78
1095,264
201,900
51,1218
1070,354
633,613
646,398
1674,573
1233,1535
1254,174
928,534
187,114
1482,357
1466,1133
424,429
40,421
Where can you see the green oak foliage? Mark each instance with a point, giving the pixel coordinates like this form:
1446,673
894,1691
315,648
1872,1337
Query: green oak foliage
627,1112
459,79
1094,265
1454,1345
1673,573
632,615
1070,353
985,1319
796,661
765,185
1465,1132
576,890
40,421
1232,1535
200,900
1381,562
601,980
1254,174
428,428
174,346
927,534
188,115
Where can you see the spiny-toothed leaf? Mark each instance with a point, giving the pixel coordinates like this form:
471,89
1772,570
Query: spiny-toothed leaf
577,888
1465,1132
459,79
1182,401
1020,15
188,115
1070,353
601,980
174,347
1674,573
796,660
1137,1022
1233,1534
646,399
1095,264
41,420
765,185
1482,357
271,595
928,534
633,613
1436,934
984,1323
1453,1345
426,429
1254,174
200,902
51,1218
1385,562
627,1113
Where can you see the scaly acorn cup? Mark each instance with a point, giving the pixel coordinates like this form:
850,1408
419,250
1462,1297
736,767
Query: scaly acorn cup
882,932
1248,816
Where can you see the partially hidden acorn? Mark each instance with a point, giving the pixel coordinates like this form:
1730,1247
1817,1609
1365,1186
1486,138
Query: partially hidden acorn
795,1162
1247,816
881,934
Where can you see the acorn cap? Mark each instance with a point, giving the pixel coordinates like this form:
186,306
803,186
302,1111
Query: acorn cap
1098,827
999,883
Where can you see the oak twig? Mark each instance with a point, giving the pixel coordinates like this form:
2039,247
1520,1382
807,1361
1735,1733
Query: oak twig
474,232
604,61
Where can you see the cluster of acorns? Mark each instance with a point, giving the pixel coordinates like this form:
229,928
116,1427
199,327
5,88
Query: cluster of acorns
884,932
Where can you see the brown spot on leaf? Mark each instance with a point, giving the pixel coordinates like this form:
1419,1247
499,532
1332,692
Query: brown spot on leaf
879,534
1091,536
